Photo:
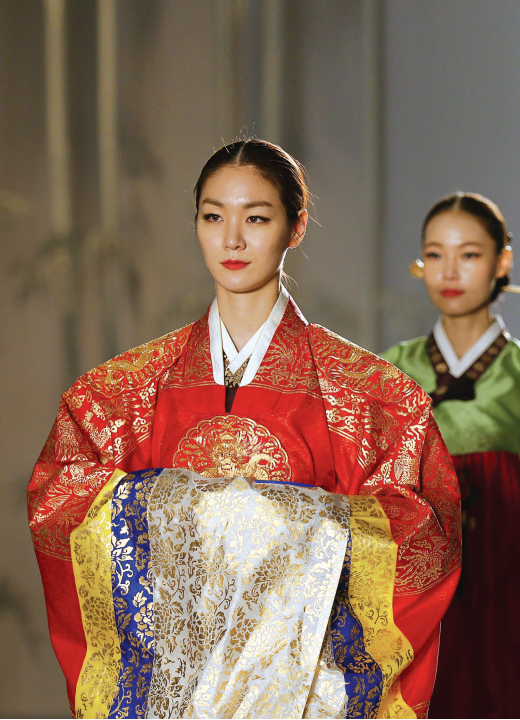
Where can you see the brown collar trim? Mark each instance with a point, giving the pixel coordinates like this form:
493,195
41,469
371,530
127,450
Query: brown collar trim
462,388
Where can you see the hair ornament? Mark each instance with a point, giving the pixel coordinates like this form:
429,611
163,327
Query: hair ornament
511,288
416,269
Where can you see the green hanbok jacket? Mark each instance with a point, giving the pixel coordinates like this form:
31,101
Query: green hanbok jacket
478,414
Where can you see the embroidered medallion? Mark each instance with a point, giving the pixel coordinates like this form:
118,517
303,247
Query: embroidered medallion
231,446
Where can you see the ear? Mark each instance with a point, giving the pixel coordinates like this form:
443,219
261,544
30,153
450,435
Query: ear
299,228
504,262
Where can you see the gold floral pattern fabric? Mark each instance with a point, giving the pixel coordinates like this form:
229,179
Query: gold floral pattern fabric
371,593
379,442
352,380
132,592
104,421
386,440
288,365
91,546
327,697
233,379
245,577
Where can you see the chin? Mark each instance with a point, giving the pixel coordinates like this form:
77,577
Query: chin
452,308
239,286
243,284
455,310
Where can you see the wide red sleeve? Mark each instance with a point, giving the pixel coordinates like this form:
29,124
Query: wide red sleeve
104,424
422,505
391,460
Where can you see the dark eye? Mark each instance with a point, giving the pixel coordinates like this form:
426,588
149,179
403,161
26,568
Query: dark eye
256,219
470,255
432,254
211,217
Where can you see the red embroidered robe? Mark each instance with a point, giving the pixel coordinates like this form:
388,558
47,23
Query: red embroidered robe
320,411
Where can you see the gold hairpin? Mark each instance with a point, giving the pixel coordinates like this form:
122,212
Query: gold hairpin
416,269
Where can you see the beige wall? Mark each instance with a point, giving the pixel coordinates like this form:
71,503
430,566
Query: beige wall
31,363
171,115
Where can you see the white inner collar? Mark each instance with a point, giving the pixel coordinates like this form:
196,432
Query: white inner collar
236,359
255,349
458,366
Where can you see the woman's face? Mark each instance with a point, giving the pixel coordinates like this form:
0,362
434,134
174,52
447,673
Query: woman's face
461,263
243,229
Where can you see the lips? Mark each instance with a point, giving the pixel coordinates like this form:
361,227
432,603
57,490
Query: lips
449,293
234,264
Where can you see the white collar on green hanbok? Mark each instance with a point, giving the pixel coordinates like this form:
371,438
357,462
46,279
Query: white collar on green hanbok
458,366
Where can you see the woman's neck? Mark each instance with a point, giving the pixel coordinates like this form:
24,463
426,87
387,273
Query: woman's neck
463,331
244,313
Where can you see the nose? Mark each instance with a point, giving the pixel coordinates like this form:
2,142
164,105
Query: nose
450,269
233,238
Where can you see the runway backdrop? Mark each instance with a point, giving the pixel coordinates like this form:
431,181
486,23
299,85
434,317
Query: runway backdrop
109,108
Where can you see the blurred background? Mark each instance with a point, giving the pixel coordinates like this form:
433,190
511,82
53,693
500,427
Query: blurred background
109,109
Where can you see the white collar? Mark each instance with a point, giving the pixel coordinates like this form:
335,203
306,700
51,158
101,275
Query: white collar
458,366
255,348
236,359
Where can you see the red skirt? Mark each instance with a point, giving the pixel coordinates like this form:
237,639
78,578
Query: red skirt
479,659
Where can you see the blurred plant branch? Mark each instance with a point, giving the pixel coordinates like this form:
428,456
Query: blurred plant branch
13,205
57,267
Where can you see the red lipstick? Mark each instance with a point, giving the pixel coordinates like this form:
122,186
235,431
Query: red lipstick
450,292
235,264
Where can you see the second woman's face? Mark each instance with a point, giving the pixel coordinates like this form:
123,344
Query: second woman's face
243,229
461,263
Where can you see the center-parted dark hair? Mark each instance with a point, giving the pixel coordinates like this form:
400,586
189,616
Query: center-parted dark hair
273,163
484,210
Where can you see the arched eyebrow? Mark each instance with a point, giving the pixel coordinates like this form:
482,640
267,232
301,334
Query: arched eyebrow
246,206
468,242
212,201
258,203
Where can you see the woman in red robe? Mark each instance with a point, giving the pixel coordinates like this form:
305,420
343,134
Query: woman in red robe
252,406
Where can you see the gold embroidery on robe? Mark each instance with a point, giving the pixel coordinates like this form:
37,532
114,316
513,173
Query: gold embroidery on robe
91,559
102,418
373,430
228,445
285,367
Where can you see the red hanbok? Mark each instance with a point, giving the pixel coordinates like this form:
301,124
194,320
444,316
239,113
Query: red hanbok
320,412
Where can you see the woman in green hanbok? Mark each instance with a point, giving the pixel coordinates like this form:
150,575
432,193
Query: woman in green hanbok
470,366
